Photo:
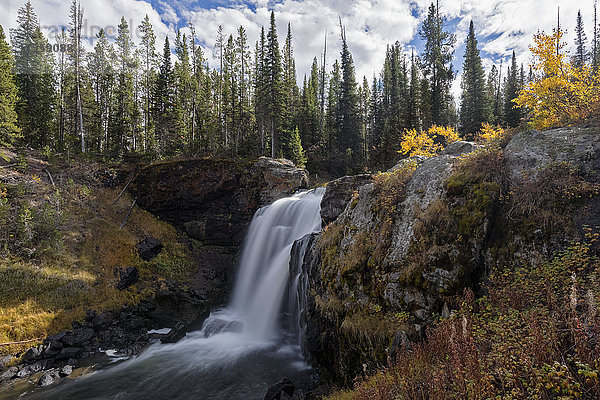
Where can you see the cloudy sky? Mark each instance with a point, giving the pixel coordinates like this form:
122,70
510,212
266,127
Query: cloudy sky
501,25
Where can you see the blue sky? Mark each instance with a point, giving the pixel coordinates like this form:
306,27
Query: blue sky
501,25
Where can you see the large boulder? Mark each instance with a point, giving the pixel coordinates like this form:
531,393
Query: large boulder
527,152
423,232
338,193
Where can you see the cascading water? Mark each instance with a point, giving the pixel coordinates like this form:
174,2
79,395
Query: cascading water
264,268
240,351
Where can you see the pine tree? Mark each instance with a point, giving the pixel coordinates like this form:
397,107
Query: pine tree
102,72
34,78
123,118
260,92
297,152
183,98
163,101
474,107
244,77
310,132
229,90
414,116
77,55
290,97
220,45
374,137
149,64
595,47
332,128
61,73
580,57
512,114
364,95
9,130
439,50
392,107
493,95
349,139
274,87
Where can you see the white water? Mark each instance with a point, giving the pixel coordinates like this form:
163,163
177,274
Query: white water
214,363
264,267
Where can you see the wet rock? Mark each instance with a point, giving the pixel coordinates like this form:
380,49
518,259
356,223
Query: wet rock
149,248
222,326
66,370
31,354
338,193
10,373
128,277
30,369
48,378
278,391
175,334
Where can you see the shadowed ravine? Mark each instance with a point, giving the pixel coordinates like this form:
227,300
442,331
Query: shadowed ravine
241,350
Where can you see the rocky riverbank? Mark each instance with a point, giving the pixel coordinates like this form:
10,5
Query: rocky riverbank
125,332
210,203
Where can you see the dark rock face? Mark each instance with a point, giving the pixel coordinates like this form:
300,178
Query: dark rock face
213,201
128,277
285,387
149,248
338,194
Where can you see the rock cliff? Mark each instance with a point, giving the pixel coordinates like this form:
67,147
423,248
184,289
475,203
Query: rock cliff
213,202
410,240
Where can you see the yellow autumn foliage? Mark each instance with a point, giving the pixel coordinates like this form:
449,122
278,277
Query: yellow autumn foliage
560,93
427,143
490,133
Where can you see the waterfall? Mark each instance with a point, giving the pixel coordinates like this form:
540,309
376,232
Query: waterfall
298,287
239,352
264,267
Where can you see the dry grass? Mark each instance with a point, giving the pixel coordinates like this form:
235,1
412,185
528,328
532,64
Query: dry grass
60,247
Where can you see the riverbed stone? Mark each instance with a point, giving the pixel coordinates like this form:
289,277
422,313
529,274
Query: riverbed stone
285,387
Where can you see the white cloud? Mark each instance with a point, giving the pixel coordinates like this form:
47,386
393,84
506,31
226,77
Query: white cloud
54,14
501,25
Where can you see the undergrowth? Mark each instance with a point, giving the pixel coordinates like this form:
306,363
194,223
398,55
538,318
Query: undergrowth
534,335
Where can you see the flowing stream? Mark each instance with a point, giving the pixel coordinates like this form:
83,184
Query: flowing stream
242,349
